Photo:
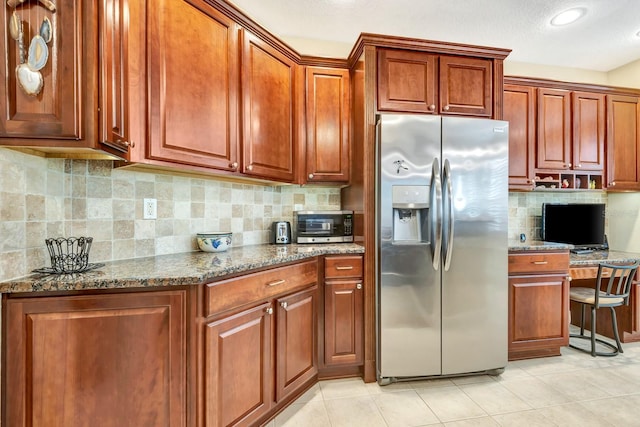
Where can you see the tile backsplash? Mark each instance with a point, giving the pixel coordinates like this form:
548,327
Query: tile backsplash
42,198
525,209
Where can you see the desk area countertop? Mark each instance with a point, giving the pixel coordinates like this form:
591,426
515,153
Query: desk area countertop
576,260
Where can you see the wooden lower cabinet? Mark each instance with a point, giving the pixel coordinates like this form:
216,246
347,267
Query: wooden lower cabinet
260,358
343,323
103,359
238,369
538,304
296,341
343,345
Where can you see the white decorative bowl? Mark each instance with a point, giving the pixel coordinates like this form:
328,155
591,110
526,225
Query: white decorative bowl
214,241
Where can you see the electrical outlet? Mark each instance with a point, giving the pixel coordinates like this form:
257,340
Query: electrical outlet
150,209
297,207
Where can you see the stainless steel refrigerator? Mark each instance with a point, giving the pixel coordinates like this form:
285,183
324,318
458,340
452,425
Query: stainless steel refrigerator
441,233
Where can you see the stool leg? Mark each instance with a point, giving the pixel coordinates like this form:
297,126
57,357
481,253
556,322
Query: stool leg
615,329
581,319
593,331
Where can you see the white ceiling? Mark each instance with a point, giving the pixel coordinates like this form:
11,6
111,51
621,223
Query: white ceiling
602,40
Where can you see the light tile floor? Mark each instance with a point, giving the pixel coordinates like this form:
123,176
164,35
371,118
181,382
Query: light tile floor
574,389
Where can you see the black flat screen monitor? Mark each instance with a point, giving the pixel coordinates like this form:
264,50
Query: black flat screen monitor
580,224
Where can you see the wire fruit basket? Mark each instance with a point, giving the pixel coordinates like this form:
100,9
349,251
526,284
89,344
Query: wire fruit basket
69,255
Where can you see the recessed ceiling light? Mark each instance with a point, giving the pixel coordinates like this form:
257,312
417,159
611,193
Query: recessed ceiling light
568,16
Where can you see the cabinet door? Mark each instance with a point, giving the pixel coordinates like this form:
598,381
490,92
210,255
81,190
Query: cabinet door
296,338
119,359
554,129
121,70
466,86
238,368
193,76
269,106
407,81
588,118
519,111
57,110
328,154
343,323
538,315
623,142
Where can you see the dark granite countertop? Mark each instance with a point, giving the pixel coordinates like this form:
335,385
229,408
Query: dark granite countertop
595,257
190,268
537,245
576,260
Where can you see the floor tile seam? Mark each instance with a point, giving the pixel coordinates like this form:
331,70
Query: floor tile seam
457,419
556,372
591,383
501,413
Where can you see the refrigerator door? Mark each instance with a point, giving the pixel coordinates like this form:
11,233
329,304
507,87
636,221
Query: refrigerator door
474,282
408,291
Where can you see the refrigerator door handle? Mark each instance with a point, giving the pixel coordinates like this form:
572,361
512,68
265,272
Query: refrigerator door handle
447,190
435,214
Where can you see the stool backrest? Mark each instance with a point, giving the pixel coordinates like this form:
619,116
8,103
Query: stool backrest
620,279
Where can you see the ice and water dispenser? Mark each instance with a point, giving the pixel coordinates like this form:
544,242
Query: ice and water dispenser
410,213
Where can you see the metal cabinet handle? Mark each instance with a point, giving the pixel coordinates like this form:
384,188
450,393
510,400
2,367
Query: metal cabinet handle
310,176
276,283
540,262
269,310
446,108
233,165
284,304
432,107
344,267
359,286
250,167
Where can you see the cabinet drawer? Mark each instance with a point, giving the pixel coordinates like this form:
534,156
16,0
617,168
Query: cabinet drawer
226,294
538,262
342,266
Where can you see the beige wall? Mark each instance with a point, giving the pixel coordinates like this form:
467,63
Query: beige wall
626,76
576,75
42,198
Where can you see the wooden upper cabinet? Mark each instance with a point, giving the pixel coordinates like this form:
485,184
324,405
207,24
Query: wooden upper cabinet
192,54
466,86
121,71
519,111
327,120
271,110
407,81
623,140
554,129
589,122
439,84
57,116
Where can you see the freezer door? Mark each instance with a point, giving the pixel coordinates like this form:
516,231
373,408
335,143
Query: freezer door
408,291
474,280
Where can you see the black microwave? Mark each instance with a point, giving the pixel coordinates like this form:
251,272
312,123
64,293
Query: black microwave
323,226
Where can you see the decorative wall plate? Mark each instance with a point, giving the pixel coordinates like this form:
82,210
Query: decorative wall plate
29,80
38,53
